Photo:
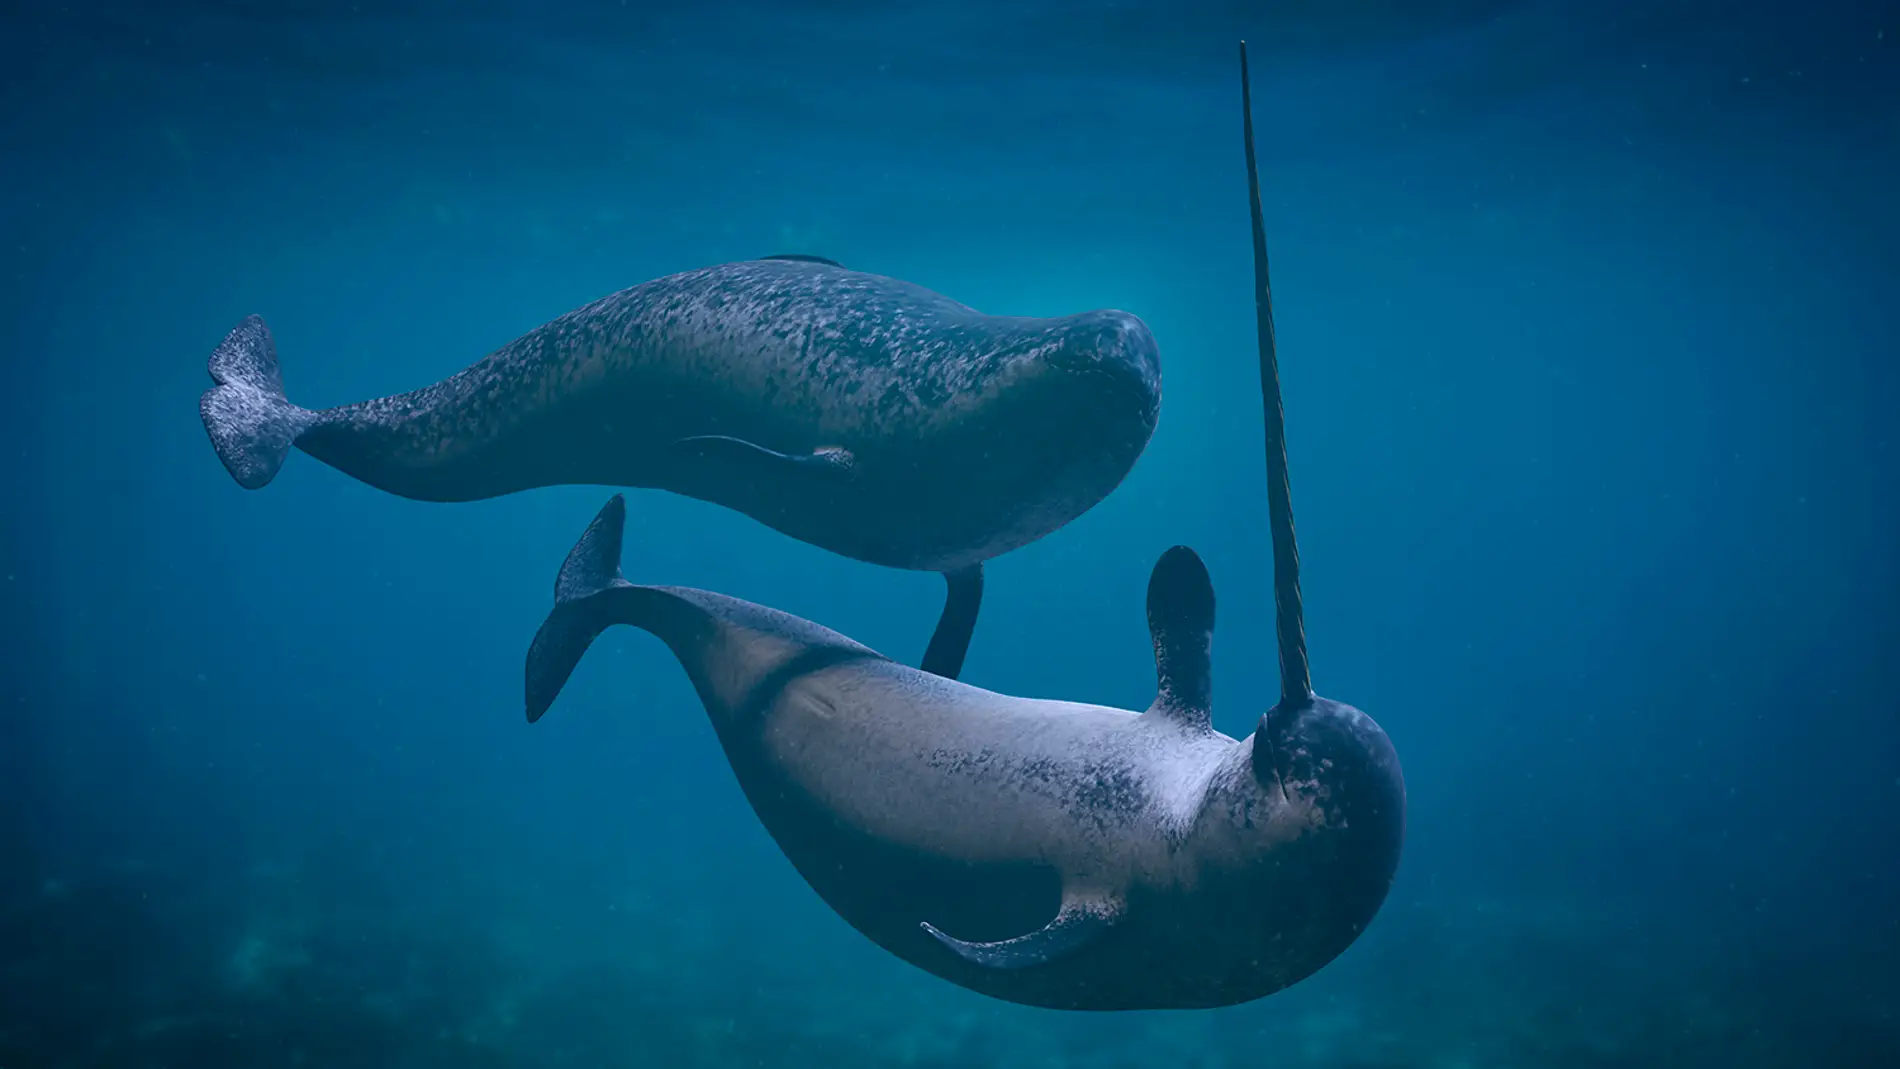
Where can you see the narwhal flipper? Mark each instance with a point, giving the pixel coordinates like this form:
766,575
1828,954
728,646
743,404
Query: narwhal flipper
251,423
755,463
1078,923
951,641
1181,625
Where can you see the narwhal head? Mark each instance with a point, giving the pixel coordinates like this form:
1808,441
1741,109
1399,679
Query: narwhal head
1095,373
1064,409
1298,832
1101,366
1293,850
1316,824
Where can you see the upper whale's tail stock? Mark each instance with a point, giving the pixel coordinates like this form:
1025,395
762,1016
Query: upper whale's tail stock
251,423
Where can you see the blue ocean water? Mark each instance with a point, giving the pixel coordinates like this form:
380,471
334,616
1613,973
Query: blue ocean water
1587,320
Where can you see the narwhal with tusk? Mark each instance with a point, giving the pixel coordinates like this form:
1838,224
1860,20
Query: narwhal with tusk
862,414
1044,852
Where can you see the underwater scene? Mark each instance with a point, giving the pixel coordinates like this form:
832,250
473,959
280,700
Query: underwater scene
1073,534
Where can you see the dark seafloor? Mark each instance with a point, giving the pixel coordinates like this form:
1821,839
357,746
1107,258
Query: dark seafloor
1587,316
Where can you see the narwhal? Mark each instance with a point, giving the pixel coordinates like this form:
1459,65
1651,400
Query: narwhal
856,412
1044,852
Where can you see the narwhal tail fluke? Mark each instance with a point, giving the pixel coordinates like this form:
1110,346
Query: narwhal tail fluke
251,423
591,571
1296,677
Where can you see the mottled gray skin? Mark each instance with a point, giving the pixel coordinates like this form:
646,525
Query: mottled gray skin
1200,870
931,436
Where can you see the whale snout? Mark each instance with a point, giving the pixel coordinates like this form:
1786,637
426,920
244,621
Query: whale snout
1116,355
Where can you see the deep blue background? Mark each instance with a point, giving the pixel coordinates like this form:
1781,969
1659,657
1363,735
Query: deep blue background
1588,330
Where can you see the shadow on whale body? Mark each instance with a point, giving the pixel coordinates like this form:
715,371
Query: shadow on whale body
1048,853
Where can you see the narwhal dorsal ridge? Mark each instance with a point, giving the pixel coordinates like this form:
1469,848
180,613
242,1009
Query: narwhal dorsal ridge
803,257
1181,624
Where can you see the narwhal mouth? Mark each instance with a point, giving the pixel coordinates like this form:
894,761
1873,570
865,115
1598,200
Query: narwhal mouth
1332,749
1268,760
1273,746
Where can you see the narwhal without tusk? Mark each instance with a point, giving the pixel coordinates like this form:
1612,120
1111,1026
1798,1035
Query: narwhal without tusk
858,413
1044,852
